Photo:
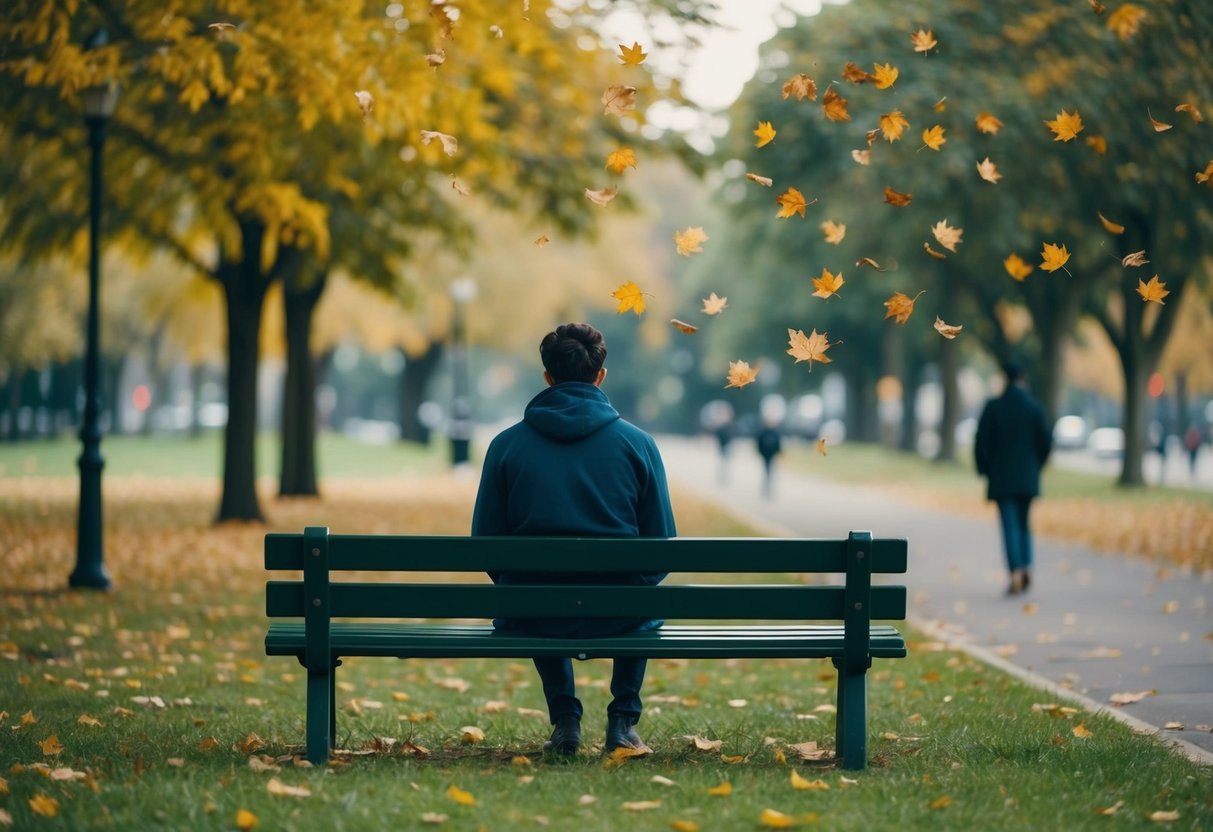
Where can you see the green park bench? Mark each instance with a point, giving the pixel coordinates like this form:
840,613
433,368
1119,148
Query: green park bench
323,614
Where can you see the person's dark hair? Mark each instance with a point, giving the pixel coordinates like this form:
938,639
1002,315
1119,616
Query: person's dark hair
573,352
1012,369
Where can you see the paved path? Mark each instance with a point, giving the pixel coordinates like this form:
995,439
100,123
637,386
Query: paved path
1093,623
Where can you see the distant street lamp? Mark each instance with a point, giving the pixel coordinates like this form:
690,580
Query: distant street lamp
99,102
463,291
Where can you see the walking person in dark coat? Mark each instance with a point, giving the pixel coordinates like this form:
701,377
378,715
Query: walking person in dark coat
1013,442
769,444
573,468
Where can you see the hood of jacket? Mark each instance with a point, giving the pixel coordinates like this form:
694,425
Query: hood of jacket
570,411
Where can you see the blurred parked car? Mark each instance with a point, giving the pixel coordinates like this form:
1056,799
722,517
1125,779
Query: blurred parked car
1106,442
1070,432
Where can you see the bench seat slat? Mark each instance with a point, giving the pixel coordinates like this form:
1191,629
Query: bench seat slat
672,641
385,553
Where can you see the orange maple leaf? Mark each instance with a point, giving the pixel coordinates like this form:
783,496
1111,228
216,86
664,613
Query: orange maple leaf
896,197
1126,20
1159,126
828,284
988,123
923,40
621,159
835,106
1066,126
632,55
629,297
901,306
714,305
1191,110
1152,291
938,255
1054,257
883,76
684,327
1205,176
1017,267
801,86
690,241
618,100
869,262
1097,143
808,348
933,137
834,232
765,133
892,124
741,374
1109,226
791,202
988,171
855,74
947,236
948,331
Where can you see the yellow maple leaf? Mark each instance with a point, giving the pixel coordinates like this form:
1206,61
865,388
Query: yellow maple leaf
1152,291
602,196
714,305
1097,7
463,798
630,298
805,784
988,171
1054,257
808,348
1080,731
690,241
828,284
723,790
883,76
1097,143
897,198
947,236
740,374
542,240
621,159
791,202
901,306
89,720
923,40
681,825
245,820
618,99
892,125
801,86
941,105
1066,126
854,73
765,133
933,137
51,746
632,55
765,181
988,123
948,331
1126,20
835,106
1205,176
834,232
941,802
44,805
1191,110
773,819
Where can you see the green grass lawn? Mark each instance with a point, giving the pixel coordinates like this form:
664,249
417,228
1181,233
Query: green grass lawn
155,707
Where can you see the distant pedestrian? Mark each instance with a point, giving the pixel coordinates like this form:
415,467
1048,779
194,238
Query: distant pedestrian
769,445
1194,437
1013,442
724,438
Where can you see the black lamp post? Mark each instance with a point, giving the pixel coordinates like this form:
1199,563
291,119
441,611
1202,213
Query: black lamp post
89,573
463,291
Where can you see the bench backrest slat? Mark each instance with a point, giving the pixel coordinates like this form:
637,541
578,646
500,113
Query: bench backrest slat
522,554
353,599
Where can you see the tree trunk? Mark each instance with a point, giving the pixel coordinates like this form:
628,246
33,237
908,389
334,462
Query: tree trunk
861,403
297,476
13,402
195,400
892,357
111,399
244,294
910,377
157,378
949,369
1136,375
413,383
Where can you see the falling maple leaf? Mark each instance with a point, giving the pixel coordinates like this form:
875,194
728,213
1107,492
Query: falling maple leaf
896,198
863,157
1126,20
938,255
459,187
883,76
741,374
988,123
933,137
1109,226
948,331
621,159
1054,257
827,285
835,106
542,240
688,242
463,798
791,202
632,55
947,236
834,232
684,327
630,298
892,125
901,306
1152,291
869,262
765,181
714,305
1191,110
808,348
602,196
854,73
1159,126
923,40
801,86
821,445
723,790
1205,176
450,144
221,26
366,102
1066,126
765,133
1137,258
774,819
436,59
1097,143
1097,7
988,171
618,100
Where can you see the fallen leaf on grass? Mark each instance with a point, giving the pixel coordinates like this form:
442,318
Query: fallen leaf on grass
1165,817
470,735
434,818
245,820
804,784
723,790
737,703
260,764
703,744
1109,810
586,800
51,746
681,825
941,802
279,789
1080,731
662,781
732,759
463,798
622,754
773,819
250,744
641,805
809,751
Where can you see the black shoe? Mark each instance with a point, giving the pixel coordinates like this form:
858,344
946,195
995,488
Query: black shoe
1025,580
621,734
566,736
1017,584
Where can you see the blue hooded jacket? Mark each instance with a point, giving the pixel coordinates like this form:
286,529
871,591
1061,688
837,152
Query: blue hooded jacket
573,468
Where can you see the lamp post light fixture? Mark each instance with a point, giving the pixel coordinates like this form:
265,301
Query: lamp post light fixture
463,291
99,102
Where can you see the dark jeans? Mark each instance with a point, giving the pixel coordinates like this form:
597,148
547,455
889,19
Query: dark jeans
559,689
1016,537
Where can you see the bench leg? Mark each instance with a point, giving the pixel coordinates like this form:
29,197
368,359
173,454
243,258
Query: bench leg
320,712
851,722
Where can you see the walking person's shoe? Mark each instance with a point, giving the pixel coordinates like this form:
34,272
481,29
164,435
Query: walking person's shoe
566,736
621,734
1025,580
1017,584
